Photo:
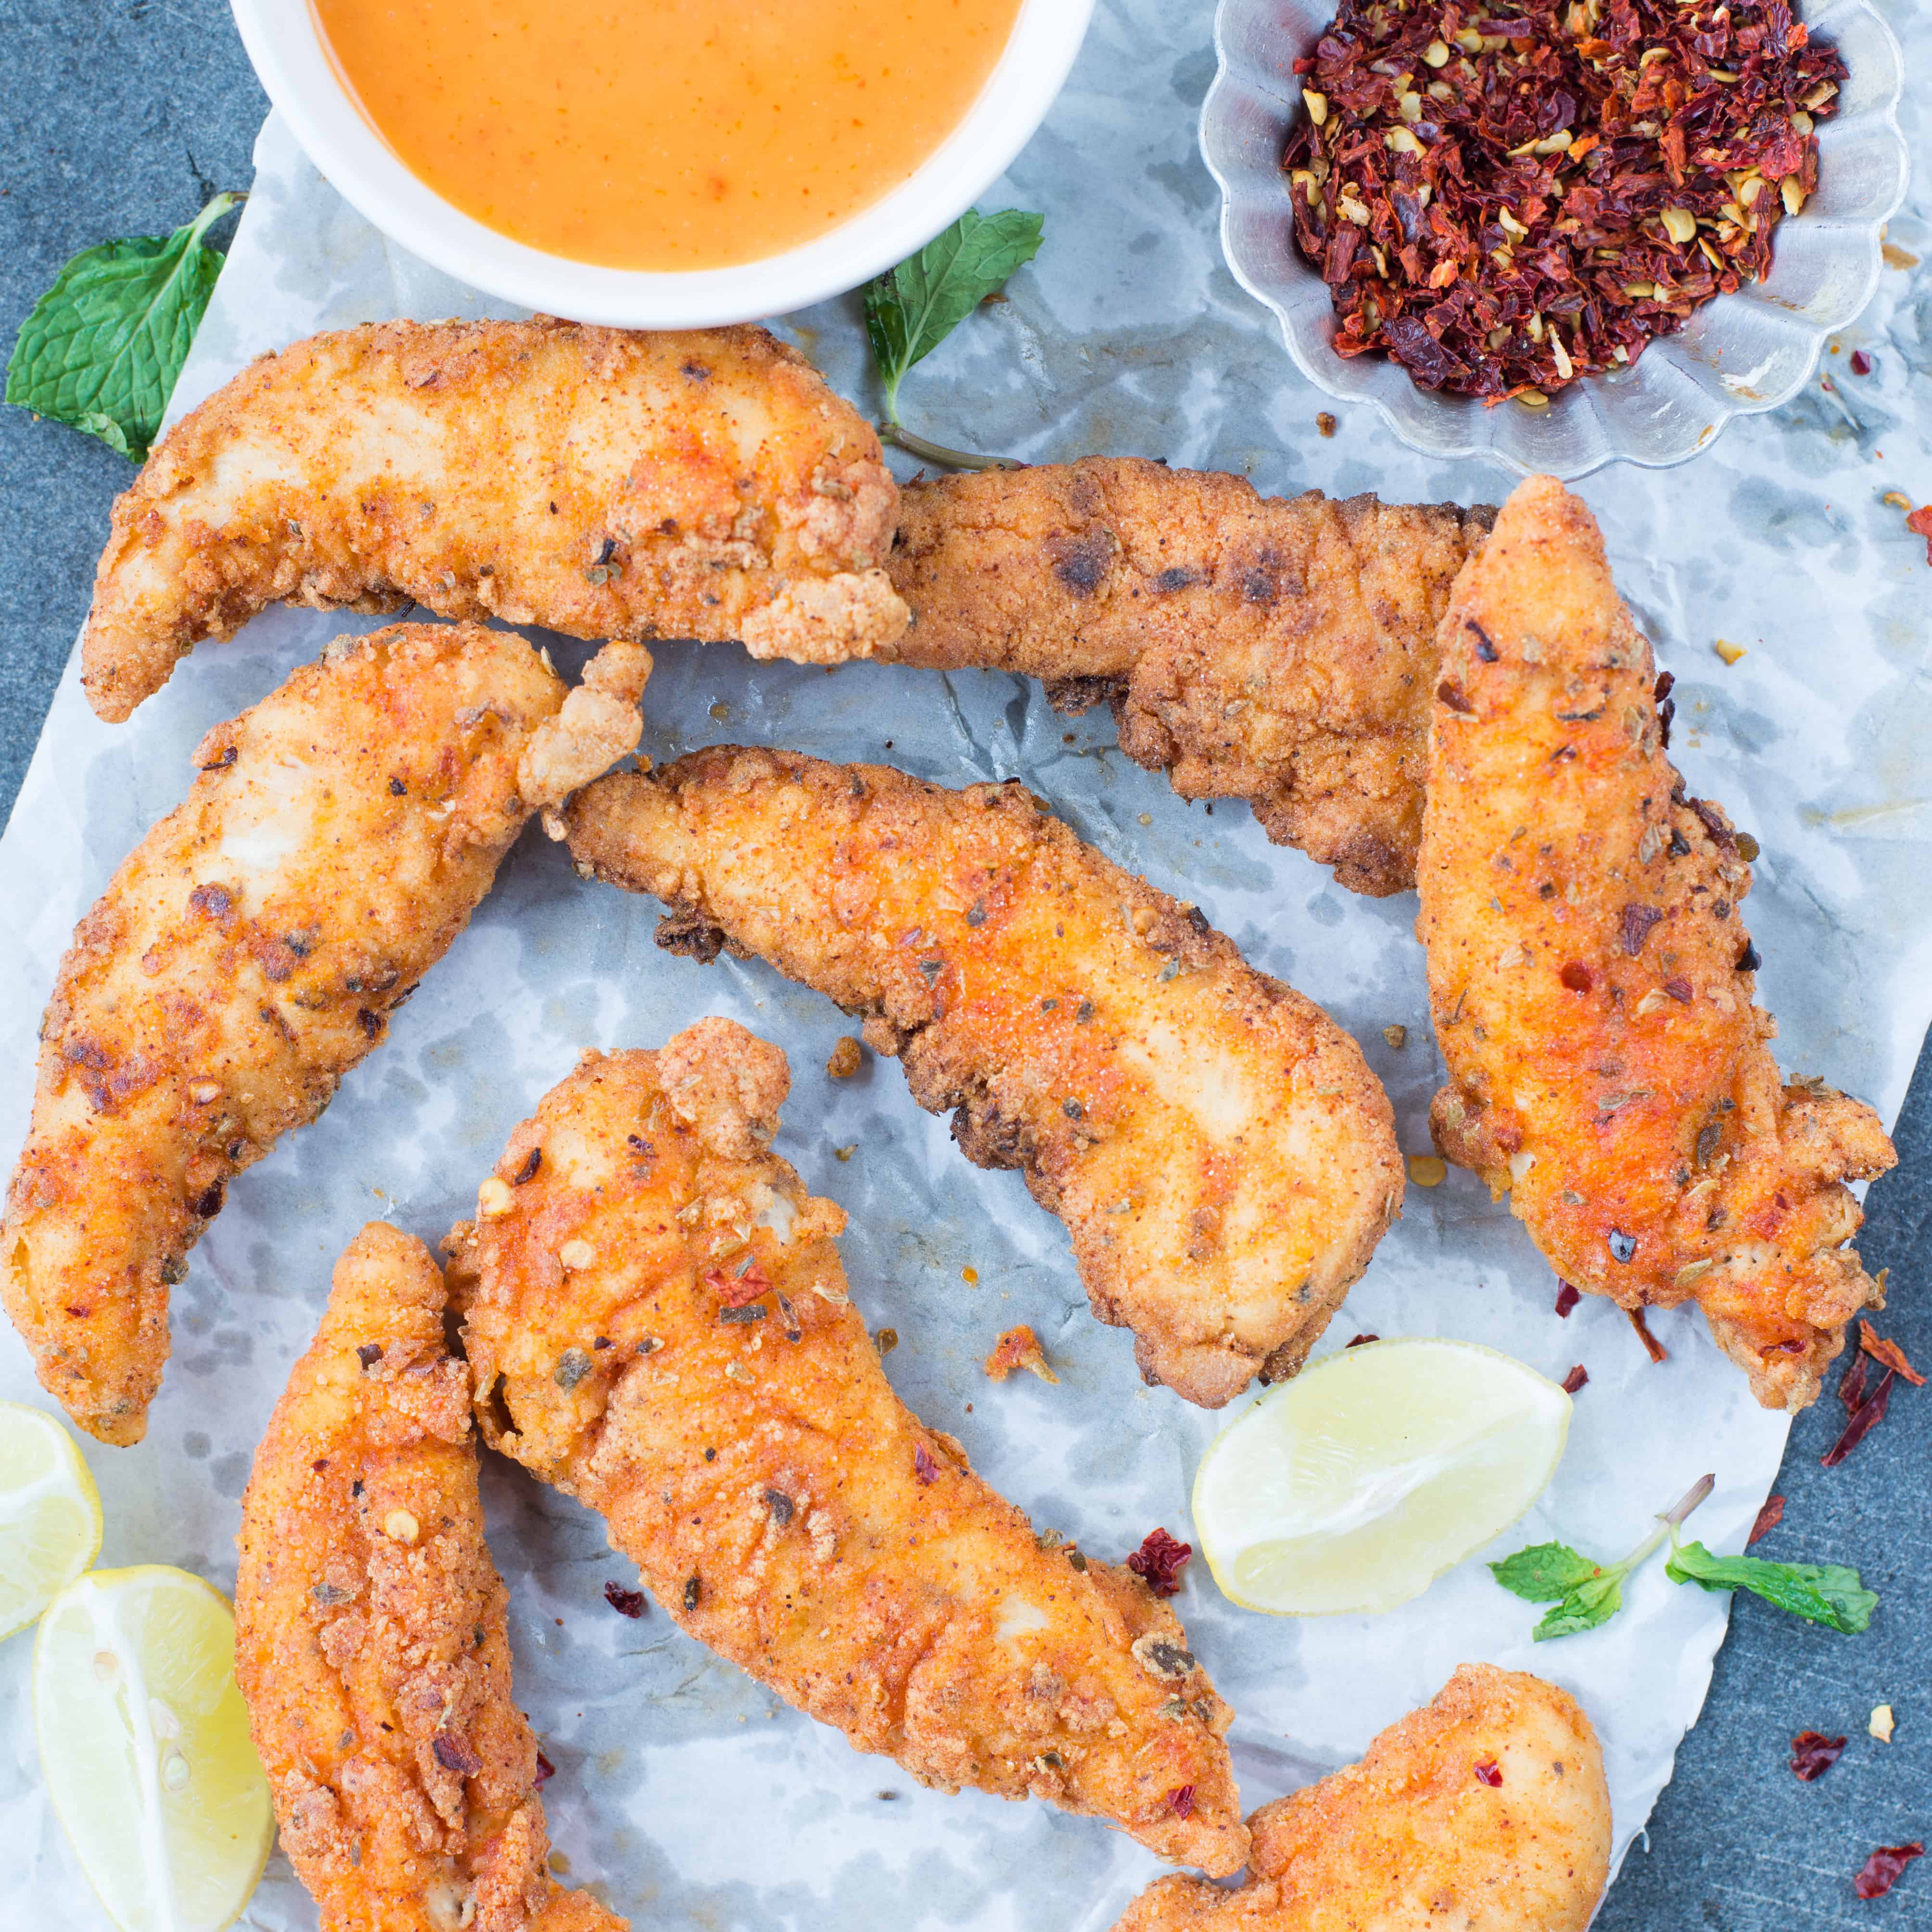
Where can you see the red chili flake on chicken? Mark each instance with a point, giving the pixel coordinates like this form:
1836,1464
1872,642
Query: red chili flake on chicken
1769,1518
1566,1298
738,1291
1813,1754
1503,204
923,1466
1882,1868
1576,1379
1489,1772
1160,1560
1181,1800
625,1602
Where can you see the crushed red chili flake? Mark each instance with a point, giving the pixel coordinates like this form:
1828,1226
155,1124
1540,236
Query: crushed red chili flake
1566,1298
1920,524
1882,1868
1813,1754
1504,197
923,1466
546,1771
1769,1518
1576,976
1861,363
738,1291
1865,1418
1160,1560
1855,1384
454,1752
1657,1352
1356,1341
1576,1379
1889,1354
1490,1772
625,1602
1637,922
1181,1800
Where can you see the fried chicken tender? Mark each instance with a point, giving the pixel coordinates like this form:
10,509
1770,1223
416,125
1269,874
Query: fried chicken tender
1280,650
1592,983
248,953
1223,1159
602,482
1485,1811
659,1326
369,1638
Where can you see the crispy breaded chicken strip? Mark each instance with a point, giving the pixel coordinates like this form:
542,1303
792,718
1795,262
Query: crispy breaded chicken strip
1485,1811
369,1630
248,953
1591,981
1280,650
1223,1159
602,482
658,1325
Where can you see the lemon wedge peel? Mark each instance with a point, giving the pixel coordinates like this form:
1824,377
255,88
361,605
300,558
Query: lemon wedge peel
50,1524
1353,1487
161,1796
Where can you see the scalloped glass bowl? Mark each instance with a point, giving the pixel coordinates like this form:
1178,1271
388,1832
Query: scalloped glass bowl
1737,355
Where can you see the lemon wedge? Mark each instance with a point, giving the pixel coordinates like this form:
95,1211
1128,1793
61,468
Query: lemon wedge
1355,1485
144,1744
49,1513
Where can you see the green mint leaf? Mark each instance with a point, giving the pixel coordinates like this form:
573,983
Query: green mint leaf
1821,1593
103,345
1544,1572
910,311
1584,1608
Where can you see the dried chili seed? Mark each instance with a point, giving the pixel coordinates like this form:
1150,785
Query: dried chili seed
1813,1754
1576,1379
625,1602
1882,1868
1159,1562
1504,205
1489,1772
1566,1298
1769,1518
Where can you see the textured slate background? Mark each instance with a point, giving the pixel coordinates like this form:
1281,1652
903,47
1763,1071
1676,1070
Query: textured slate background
126,125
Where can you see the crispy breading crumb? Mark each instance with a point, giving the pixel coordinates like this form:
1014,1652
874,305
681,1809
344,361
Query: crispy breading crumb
1018,1348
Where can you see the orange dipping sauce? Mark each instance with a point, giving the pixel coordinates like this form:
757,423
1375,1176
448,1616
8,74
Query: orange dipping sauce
665,134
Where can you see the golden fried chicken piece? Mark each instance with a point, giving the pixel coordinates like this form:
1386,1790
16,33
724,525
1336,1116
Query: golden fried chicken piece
1485,1811
248,953
369,1630
658,1325
602,482
1223,1159
1280,650
1592,981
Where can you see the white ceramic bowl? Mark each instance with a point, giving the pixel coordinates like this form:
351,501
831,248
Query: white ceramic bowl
285,43
1738,354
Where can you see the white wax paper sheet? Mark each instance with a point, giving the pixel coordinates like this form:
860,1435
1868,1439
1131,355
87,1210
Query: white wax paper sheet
686,1794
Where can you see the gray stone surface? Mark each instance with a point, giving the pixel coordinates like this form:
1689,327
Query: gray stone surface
125,123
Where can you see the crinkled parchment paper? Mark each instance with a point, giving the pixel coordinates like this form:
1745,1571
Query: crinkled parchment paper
684,1792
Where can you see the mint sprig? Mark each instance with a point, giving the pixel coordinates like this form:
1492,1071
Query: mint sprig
912,309
1584,1595
102,347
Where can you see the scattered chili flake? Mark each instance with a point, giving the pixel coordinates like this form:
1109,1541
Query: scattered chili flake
1769,1518
528,1172
546,1771
1655,1348
1356,1341
1160,1560
369,1354
1882,1868
1576,1379
454,1752
1865,1418
1920,524
1576,976
694,1588
1180,1802
1503,203
1018,1348
1872,1343
1855,1384
1489,1772
1813,1754
1638,920
735,1291
1566,1298
923,1466
1861,363
625,1602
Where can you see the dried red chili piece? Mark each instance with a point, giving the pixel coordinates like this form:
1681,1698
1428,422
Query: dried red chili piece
1769,1518
1657,1352
625,1602
923,1466
738,1291
1920,524
546,1771
1489,1772
1813,1754
1861,363
1504,205
1872,1343
1882,1868
1181,1800
1576,1379
1356,1341
1638,921
1566,1298
1160,1560
1868,1415
1576,976
454,1752
1855,1384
